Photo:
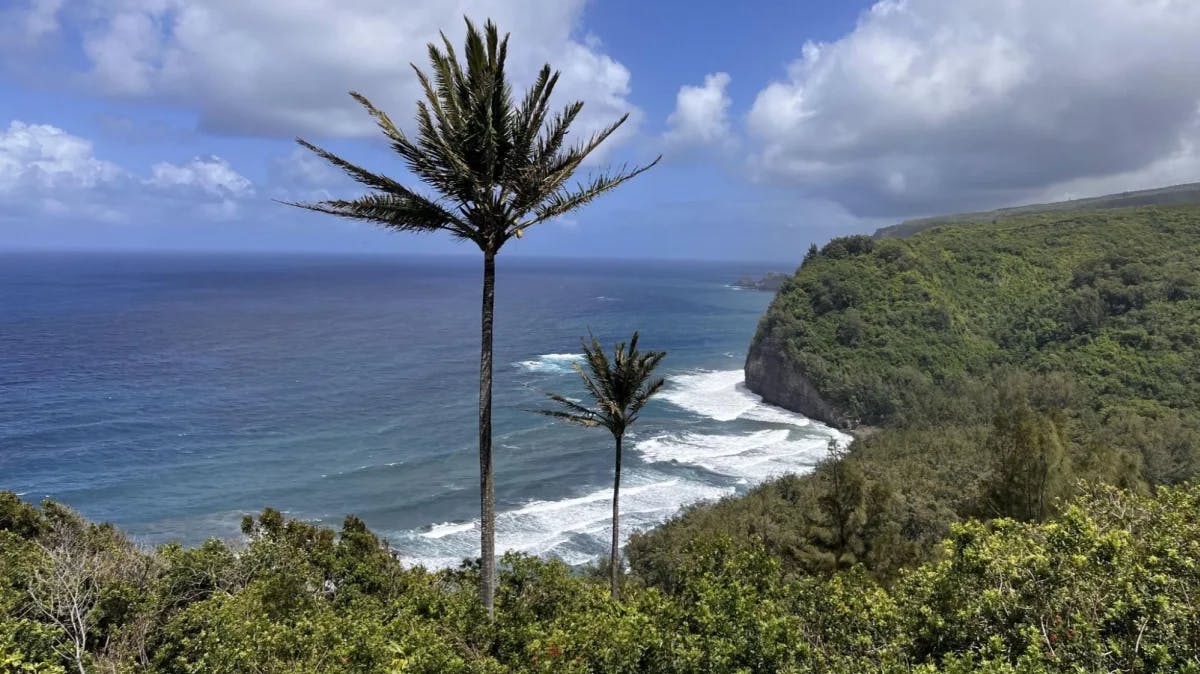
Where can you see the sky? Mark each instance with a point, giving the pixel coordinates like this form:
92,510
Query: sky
170,124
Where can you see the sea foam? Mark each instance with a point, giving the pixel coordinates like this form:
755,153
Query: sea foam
551,363
575,529
764,441
754,457
754,454
722,395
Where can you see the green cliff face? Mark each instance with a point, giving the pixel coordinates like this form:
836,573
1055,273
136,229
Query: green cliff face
876,331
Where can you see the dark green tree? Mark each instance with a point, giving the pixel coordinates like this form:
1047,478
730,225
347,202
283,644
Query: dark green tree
1030,465
492,167
842,507
620,388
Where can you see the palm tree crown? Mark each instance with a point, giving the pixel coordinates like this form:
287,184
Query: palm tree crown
620,387
497,167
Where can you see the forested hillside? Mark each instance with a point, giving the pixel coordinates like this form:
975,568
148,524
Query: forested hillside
990,370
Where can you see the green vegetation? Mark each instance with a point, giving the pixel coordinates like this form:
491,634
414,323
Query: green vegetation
1162,196
992,367
620,389
497,168
1004,371
1108,586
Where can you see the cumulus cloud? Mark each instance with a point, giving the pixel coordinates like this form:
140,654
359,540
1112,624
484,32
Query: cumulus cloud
211,175
276,68
930,105
48,171
42,157
210,183
701,115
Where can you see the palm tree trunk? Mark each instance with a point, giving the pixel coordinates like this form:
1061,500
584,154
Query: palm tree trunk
487,499
615,559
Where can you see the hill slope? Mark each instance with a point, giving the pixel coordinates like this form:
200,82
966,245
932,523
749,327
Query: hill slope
990,370
1111,298
1162,196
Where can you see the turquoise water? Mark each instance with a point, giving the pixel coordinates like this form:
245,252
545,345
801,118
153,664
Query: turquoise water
171,394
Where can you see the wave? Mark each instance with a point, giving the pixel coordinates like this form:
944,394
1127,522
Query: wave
449,528
722,395
551,363
754,457
574,529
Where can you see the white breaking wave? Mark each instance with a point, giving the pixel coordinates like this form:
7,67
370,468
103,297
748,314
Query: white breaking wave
756,457
551,363
574,529
448,529
577,529
722,395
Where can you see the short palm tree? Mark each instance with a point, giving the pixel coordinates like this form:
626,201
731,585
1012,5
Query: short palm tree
492,168
620,388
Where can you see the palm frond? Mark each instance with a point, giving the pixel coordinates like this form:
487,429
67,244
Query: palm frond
359,174
572,418
498,164
564,201
571,405
402,212
644,395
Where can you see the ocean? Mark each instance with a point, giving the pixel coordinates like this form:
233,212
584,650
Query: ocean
171,394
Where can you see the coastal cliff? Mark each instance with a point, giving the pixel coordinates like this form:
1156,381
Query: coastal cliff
772,374
892,332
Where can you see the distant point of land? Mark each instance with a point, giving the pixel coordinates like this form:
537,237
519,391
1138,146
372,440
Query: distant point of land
771,282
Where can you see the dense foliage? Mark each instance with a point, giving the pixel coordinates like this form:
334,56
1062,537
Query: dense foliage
1109,585
992,366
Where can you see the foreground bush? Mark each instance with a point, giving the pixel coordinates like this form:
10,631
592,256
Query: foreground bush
1110,585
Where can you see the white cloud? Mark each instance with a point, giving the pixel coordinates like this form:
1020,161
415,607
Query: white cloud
281,67
211,175
701,115
40,19
43,157
47,171
930,105
209,183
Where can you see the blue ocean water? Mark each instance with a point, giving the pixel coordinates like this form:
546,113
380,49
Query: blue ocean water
170,394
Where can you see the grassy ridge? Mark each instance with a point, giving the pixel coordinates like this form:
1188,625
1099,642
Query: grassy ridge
1163,196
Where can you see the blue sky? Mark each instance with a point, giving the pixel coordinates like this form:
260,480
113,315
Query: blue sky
167,124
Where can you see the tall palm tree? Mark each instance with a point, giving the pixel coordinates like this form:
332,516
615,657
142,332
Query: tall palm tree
492,168
620,389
